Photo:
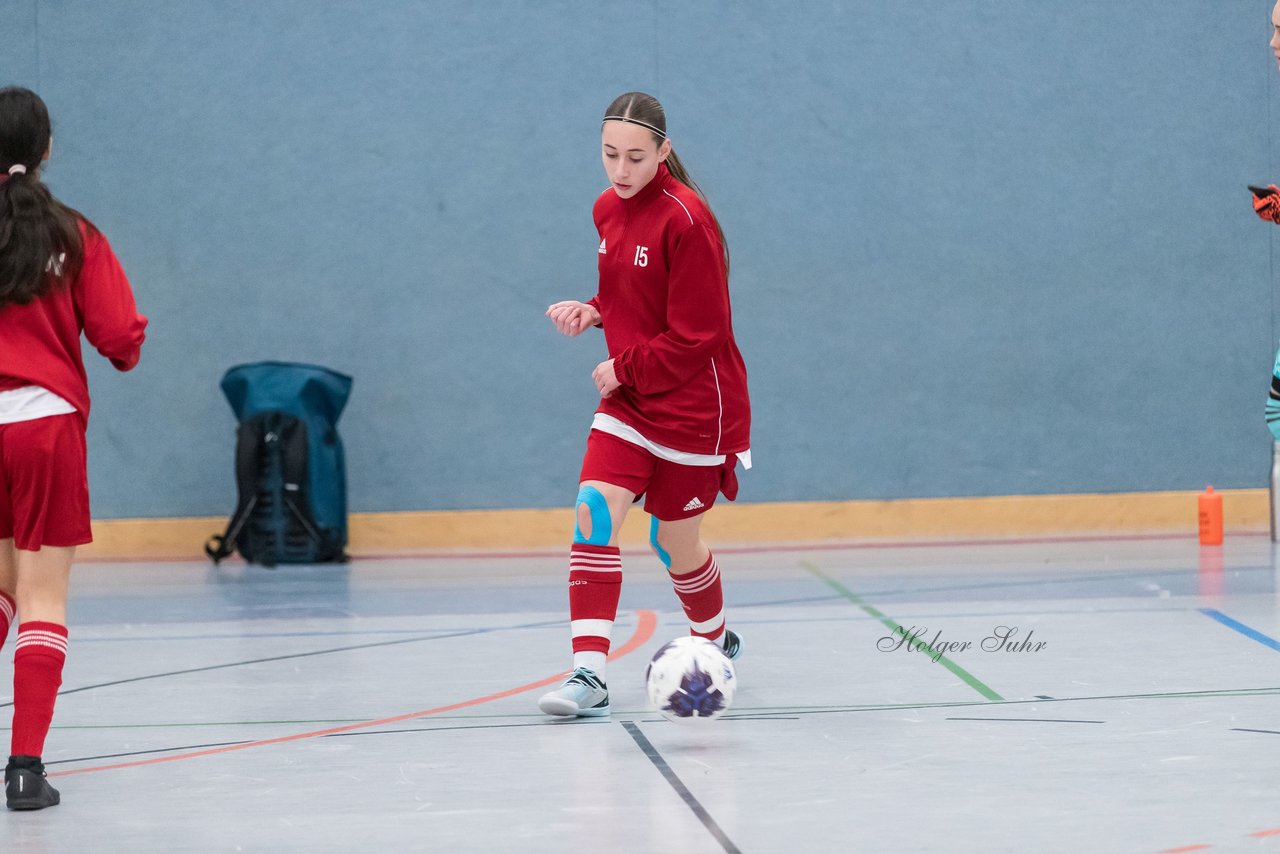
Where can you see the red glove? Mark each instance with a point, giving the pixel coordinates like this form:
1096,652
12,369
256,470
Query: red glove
1268,207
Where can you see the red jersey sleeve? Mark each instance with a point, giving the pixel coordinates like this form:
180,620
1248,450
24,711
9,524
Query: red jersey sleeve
698,317
105,302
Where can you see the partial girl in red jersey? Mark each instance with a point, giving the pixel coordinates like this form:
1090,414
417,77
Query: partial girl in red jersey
1266,200
58,278
674,416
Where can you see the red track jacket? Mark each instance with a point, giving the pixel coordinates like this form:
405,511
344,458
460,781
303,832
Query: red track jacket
664,306
40,342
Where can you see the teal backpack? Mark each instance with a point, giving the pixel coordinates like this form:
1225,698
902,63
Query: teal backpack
290,471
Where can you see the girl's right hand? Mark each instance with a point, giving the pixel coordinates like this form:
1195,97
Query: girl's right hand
572,317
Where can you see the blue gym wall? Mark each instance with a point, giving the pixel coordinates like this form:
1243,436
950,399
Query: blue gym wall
979,247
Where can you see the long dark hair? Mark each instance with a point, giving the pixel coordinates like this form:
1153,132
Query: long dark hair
40,243
645,108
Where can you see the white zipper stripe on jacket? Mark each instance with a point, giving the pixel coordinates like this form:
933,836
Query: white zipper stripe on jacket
720,404
681,204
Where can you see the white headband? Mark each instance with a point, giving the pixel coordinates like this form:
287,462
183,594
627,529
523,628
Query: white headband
659,131
17,169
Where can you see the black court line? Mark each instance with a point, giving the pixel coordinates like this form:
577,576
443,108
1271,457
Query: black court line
661,764
1267,731
145,752
351,648
1031,720
1226,693
539,723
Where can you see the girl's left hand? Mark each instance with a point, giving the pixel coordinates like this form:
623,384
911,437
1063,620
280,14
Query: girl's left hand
605,379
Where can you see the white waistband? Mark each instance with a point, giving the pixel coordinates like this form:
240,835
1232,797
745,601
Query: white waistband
29,403
614,427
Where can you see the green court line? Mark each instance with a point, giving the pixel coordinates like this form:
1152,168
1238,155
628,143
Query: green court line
964,675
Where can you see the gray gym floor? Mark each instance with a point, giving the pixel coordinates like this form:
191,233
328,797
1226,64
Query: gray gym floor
389,705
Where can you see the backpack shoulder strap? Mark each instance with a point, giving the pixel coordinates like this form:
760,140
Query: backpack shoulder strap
248,472
294,462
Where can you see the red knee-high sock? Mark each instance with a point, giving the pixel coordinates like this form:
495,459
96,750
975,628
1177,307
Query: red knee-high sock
595,582
703,599
7,610
38,657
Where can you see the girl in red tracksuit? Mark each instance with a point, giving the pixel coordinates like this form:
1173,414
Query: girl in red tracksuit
674,416
58,278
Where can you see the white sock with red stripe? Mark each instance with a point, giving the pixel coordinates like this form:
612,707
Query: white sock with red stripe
38,657
595,582
703,599
7,609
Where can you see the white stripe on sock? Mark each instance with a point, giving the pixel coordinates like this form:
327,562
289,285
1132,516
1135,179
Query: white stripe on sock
23,642
596,570
41,636
591,628
708,627
6,610
697,583
595,563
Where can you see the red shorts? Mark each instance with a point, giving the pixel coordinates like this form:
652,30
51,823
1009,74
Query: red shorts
44,483
671,491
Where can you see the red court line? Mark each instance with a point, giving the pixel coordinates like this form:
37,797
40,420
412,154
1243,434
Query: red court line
832,546
765,548
646,623
1260,834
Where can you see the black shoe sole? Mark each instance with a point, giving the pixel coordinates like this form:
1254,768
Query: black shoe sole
27,804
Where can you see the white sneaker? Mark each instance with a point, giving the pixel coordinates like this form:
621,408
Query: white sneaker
583,695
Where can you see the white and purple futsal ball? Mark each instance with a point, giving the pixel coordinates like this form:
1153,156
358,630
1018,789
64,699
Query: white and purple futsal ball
691,680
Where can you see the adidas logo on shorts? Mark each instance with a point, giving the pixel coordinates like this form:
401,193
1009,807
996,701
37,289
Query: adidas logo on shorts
695,504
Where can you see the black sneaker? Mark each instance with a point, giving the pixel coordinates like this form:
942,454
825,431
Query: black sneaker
732,644
25,786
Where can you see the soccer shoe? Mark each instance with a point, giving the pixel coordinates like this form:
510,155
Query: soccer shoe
732,645
583,695
25,786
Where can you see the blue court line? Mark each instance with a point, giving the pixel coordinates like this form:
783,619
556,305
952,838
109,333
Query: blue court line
926,590
936,615
1240,627
1154,572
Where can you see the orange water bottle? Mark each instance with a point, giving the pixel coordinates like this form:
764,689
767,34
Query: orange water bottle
1210,518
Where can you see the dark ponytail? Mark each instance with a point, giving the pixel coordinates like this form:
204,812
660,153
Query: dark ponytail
646,109
40,243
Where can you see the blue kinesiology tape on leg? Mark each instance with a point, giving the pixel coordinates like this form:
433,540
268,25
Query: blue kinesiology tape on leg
653,541
601,521
1273,401
1273,417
